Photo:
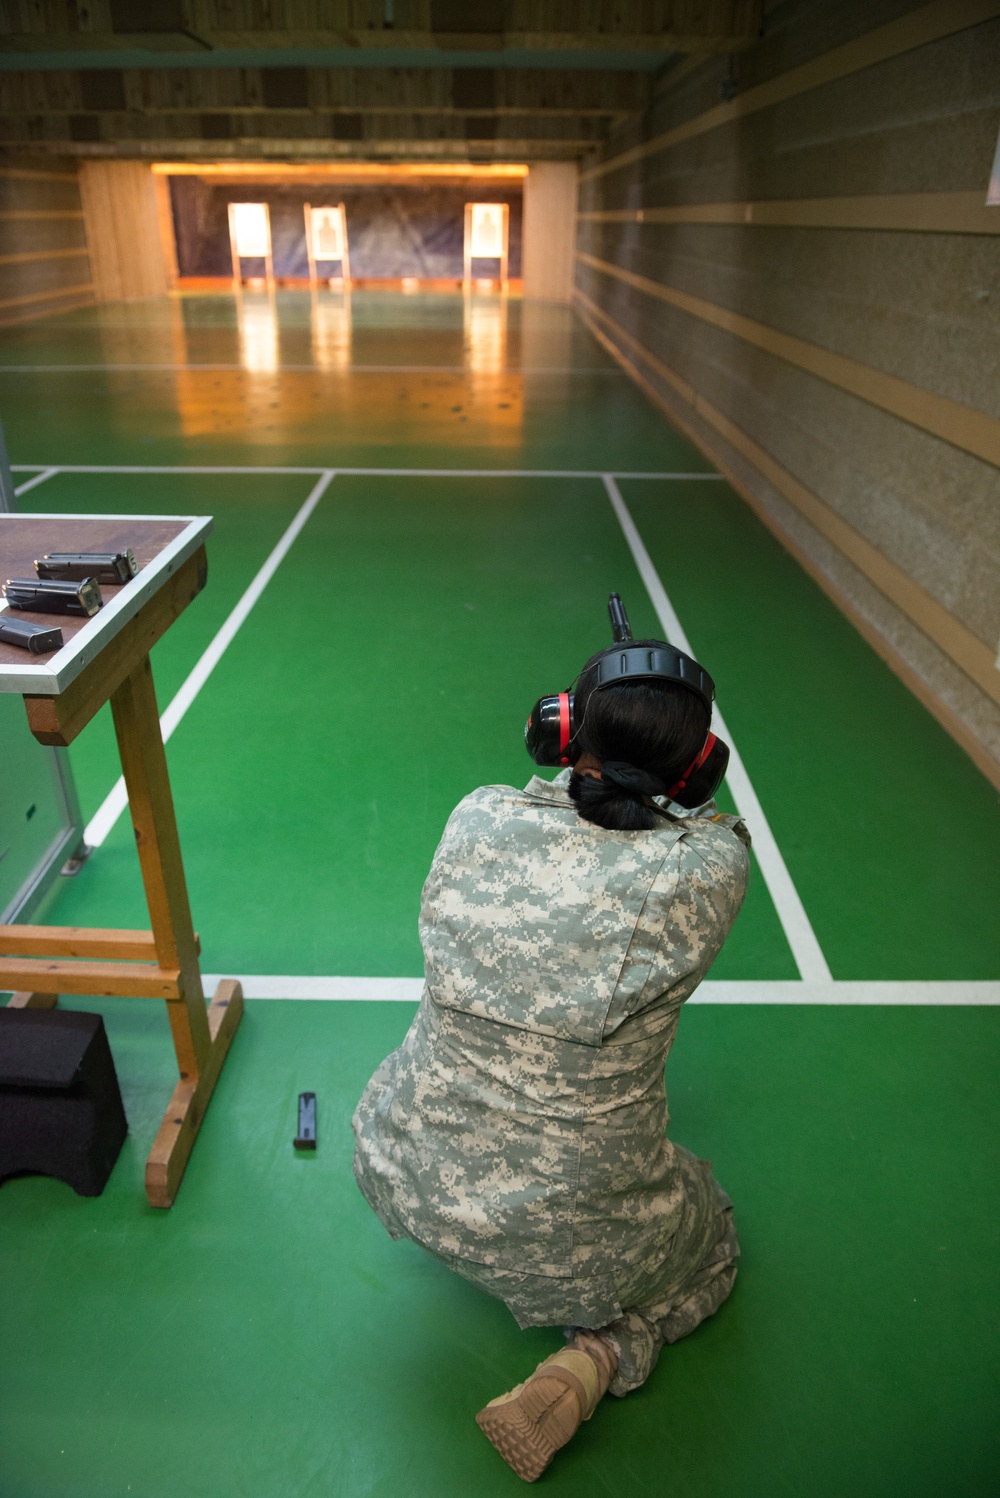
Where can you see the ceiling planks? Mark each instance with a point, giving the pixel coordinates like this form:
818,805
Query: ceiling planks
411,78
535,25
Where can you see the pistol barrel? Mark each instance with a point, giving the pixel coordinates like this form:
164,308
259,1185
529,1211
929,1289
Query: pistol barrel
620,628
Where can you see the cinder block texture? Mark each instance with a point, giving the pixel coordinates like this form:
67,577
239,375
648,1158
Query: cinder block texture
920,307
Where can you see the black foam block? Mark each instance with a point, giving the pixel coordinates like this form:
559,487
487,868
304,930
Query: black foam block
61,1109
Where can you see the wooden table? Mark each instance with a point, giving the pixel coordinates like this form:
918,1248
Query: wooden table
106,658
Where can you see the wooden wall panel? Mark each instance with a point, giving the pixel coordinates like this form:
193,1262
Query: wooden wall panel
549,230
123,230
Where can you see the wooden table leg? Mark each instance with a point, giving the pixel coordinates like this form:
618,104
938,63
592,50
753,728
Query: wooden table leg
201,1037
182,1120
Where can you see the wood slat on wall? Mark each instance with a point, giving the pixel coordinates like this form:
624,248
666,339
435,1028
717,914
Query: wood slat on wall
32,257
915,213
33,299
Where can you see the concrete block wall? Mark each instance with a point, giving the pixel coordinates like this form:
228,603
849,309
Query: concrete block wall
793,255
44,263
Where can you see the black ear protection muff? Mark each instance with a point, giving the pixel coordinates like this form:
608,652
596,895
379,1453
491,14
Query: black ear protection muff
552,726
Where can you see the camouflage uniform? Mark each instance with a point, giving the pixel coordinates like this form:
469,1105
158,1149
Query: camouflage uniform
518,1131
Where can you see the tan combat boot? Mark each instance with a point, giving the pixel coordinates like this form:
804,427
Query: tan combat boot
528,1425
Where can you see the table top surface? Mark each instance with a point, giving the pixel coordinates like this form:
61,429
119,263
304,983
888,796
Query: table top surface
160,543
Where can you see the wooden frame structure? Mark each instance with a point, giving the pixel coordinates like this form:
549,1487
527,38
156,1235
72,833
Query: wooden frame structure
469,250
238,255
106,658
344,259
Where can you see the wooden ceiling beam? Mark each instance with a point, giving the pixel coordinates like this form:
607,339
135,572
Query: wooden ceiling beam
522,25
385,90
280,151
366,130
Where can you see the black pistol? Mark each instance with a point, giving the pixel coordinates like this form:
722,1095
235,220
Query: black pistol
43,597
113,567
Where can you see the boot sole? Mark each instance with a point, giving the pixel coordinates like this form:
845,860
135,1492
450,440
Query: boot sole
513,1429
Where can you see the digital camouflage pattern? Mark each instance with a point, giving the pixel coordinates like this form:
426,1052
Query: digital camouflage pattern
519,1130
639,1334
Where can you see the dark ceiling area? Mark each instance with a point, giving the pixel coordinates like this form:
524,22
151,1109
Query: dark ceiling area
478,80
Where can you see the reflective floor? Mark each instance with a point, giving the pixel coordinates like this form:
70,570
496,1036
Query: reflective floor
359,375
265,1337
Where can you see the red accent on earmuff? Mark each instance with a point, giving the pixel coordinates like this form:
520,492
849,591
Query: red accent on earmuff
695,764
564,727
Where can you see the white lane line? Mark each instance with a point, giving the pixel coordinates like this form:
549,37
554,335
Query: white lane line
46,473
418,473
327,990
754,991
116,800
168,468
929,992
509,473
809,959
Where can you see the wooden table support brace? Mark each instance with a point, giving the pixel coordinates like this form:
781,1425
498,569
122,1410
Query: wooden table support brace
39,962
80,941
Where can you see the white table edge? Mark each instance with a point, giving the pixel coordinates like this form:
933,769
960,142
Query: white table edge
50,678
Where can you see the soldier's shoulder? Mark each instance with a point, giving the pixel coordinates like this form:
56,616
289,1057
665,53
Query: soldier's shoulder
486,796
486,804
719,836
536,793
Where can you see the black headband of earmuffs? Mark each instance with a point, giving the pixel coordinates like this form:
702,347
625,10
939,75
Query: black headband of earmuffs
552,727
661,662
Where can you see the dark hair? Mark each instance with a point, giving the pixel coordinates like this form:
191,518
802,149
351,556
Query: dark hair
656,726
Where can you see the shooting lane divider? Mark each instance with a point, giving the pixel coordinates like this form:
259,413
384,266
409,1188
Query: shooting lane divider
799,934
115,802
928,993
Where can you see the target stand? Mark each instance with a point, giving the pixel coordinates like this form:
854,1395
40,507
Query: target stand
486,236
326,242
250,239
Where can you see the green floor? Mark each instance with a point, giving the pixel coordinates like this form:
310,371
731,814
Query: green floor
265,1337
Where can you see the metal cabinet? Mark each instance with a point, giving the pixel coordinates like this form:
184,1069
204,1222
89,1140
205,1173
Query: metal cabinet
40,822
